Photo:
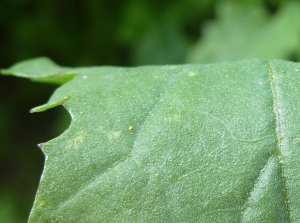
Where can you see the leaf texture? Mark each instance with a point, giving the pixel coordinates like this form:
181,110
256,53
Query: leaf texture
184,143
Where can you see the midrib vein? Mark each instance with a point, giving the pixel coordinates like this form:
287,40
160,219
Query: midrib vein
279,131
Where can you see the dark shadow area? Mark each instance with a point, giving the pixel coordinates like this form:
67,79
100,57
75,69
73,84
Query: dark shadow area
21,160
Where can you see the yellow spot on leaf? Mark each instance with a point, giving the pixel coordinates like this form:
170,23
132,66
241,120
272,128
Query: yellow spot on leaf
130,127
114,135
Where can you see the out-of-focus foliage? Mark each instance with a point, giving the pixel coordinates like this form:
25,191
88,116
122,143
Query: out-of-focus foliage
245,30
94,32
130,32
161,34
8,207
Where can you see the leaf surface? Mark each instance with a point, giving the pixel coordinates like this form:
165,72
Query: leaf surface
184,143
41,69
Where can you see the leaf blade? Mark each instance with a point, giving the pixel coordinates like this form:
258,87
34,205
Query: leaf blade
203,147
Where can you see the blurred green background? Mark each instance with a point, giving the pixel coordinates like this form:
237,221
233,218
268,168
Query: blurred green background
122,33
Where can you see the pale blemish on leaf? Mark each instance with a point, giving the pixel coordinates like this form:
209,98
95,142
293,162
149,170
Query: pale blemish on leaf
191,74
77,140
173,118
172,67
42,203
114,134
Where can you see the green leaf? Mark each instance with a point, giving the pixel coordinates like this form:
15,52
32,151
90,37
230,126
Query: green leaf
185,143
245,30
42,70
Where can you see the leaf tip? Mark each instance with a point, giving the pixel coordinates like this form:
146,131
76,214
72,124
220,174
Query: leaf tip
51,105
5,72
41,145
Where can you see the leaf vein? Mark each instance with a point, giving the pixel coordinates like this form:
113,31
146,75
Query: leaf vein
279,130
